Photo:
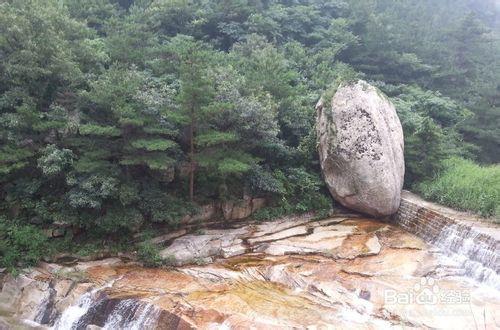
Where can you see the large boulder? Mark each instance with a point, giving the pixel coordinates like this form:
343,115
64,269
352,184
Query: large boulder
361,148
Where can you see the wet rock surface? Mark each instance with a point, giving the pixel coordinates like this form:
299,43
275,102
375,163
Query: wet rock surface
295,273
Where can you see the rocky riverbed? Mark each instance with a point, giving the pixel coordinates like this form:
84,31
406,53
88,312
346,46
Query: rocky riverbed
341,272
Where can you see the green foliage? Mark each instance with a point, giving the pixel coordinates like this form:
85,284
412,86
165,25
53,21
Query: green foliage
91,129
300,192
149,254
425,151
53,160
153,145
263,180
91,191
109,110
451,47
270,213
13,159
152,161
159,207
430,128
119,219
21,245
232,166
214,138
466,186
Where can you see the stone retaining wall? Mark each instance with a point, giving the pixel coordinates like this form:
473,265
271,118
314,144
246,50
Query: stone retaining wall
212,213
419,220
457,232
226,211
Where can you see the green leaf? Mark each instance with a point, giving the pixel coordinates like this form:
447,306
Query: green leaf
233,166
154,161
213,138
160,130
131,121
154,144
91,129
90,165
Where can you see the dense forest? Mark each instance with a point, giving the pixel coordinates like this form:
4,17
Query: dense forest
118,115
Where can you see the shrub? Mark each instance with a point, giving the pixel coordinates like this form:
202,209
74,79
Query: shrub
161,207
149,254
21,245
268,213
120,219
302,192
467,186
54,160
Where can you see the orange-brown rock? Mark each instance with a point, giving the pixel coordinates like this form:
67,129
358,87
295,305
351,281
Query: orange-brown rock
337,272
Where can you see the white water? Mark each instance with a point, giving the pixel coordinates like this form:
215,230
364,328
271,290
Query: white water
128,314
147,318
132,315
472,257
71,315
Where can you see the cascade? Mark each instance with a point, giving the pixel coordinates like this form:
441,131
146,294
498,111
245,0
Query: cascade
474,257
132,314
93,308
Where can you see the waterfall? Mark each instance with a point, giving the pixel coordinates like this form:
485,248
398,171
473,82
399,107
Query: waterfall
133,315
128,314
476,258
94,307
90,304
71,315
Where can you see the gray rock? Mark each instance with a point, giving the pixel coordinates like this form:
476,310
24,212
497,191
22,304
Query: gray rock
206,247
361,149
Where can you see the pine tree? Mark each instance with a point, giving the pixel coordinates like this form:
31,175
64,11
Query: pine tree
204,142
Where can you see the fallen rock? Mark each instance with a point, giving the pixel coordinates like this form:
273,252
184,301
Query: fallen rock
212,244
361,149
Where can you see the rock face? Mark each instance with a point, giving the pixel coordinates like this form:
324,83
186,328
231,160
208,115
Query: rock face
227,211
292,273
361,149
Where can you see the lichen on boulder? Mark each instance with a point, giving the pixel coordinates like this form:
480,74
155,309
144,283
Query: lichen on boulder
361,146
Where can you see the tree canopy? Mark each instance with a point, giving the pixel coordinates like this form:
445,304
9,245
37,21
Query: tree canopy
115,113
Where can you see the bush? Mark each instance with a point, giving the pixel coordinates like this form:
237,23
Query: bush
429,123
302,192
467,186
160,207
269,213
21,245
149,254
316,202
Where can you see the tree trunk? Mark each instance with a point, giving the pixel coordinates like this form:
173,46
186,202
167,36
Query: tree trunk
191,156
